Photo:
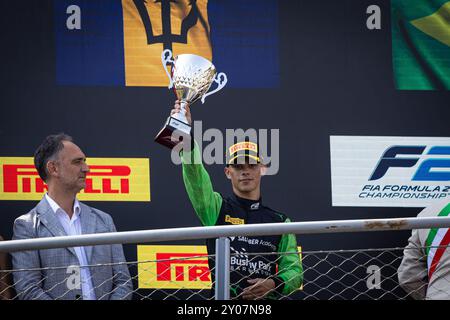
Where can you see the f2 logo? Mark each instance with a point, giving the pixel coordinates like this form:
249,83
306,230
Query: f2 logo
424,172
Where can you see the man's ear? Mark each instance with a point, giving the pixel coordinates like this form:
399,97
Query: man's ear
227,172
52,169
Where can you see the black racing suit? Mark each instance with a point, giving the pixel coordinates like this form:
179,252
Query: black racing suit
251,257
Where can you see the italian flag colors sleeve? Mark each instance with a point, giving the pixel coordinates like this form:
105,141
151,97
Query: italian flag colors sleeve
205,201
436,244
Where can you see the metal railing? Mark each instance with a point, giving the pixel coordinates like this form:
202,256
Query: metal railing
262,229
222,256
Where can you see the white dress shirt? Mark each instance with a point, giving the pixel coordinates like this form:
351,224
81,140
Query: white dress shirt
72,228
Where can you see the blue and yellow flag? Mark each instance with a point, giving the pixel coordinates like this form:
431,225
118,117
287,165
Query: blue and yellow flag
421,44
119,42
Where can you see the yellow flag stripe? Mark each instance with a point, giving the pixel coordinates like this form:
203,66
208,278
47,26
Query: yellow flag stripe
436,25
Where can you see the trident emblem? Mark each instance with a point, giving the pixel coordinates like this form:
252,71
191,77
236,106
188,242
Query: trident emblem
167,37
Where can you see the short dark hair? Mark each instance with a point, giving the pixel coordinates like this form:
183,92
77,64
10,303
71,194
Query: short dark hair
51,146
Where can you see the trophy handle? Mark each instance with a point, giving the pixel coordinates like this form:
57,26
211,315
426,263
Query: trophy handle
166,57
221,80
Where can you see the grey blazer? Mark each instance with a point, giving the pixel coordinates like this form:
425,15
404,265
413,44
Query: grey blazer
54,280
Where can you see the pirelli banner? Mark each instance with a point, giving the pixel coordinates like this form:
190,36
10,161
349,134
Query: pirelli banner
175,267
109,179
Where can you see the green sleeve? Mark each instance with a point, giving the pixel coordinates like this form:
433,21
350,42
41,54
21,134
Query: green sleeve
205,201
290,268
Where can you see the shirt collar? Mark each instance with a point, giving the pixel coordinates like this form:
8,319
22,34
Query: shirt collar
247,203
55,207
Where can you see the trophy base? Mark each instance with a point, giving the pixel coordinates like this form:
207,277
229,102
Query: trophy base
166,135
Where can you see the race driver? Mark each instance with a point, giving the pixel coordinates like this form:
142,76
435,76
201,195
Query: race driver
260,266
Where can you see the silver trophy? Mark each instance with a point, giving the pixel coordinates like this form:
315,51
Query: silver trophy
191,78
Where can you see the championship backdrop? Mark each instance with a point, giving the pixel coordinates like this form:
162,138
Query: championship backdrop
358,91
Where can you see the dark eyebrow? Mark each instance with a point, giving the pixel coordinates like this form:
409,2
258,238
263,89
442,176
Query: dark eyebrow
78,159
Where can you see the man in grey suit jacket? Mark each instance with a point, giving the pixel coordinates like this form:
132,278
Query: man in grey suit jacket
62,272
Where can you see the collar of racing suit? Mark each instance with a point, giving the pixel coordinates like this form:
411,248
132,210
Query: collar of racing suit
247,203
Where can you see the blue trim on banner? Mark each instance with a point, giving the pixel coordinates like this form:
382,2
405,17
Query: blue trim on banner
244,36
93,55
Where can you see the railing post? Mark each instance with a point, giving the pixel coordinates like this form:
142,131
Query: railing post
222,269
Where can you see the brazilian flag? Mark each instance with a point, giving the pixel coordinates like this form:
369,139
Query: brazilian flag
421,44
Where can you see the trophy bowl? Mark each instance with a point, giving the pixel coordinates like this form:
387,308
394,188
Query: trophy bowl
191,78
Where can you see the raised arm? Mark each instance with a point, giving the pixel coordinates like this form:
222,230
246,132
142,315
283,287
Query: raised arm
205,201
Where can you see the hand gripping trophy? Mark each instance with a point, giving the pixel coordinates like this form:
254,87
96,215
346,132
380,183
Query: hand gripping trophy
191,78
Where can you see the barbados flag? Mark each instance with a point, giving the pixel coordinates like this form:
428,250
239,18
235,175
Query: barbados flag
421,44
119,42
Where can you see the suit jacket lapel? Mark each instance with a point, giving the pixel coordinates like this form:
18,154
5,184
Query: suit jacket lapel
50,221
88,224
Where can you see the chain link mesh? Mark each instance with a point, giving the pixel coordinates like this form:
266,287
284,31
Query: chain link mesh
327,275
